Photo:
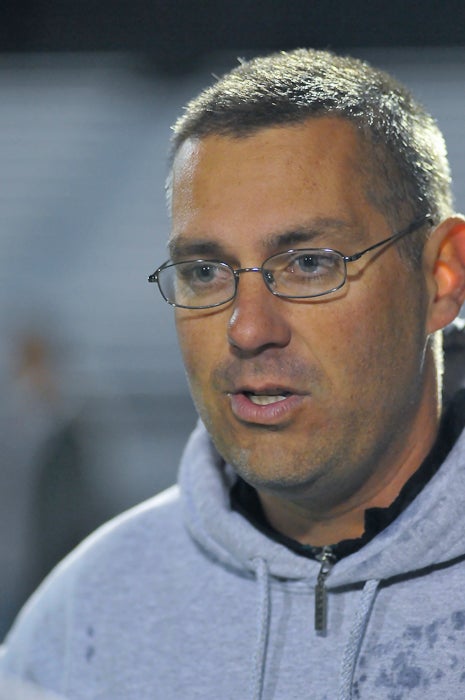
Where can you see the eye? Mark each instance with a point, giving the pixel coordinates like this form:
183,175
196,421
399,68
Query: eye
202,273
313,263
196,272
308,263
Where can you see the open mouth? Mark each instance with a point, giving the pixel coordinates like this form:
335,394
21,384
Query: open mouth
265,399
271,406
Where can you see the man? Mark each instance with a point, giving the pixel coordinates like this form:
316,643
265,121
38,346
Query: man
314,547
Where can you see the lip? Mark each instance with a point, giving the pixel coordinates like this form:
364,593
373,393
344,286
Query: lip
272,414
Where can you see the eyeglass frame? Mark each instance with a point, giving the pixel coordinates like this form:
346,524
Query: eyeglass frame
411,228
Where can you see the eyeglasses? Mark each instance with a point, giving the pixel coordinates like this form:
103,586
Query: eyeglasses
296,274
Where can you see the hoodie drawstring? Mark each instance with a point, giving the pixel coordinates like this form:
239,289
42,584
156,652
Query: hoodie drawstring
354,643
351,651
258,670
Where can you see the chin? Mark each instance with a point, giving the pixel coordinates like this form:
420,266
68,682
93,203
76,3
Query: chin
268,459
271,474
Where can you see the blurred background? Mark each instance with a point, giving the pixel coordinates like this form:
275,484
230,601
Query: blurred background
94,410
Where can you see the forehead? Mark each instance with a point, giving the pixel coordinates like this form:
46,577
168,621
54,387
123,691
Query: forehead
274,180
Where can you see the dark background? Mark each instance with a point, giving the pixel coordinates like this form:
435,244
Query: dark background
177,34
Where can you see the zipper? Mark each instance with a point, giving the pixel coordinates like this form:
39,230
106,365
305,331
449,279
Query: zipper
327,558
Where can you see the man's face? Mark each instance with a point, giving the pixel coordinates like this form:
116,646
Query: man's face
309,397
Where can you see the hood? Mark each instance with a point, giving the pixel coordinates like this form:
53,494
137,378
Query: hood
454,357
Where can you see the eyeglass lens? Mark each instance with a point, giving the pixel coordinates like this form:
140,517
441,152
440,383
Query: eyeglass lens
294,274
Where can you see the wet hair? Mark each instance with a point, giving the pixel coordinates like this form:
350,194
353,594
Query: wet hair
402,151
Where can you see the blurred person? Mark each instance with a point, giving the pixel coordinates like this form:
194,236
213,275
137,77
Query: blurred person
42,480
314,546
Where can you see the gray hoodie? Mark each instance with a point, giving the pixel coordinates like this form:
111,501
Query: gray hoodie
182,598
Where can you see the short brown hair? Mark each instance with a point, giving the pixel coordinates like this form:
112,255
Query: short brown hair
407,162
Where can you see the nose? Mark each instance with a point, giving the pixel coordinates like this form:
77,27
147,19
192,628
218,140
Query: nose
259,319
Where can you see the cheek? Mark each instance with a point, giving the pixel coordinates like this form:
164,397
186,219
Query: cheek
198,341
382,339
189,342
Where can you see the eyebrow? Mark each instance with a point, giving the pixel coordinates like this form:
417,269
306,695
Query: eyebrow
319,229
182,247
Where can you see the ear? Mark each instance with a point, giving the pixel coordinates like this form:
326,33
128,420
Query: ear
445,268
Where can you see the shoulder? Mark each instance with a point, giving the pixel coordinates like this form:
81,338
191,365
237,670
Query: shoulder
150,531
152,528
113,568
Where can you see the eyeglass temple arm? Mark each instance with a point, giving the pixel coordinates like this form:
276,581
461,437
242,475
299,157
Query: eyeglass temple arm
414,226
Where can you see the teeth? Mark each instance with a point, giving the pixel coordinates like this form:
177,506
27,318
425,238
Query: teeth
264,400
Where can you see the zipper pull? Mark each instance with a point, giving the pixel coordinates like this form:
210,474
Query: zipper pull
327,559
